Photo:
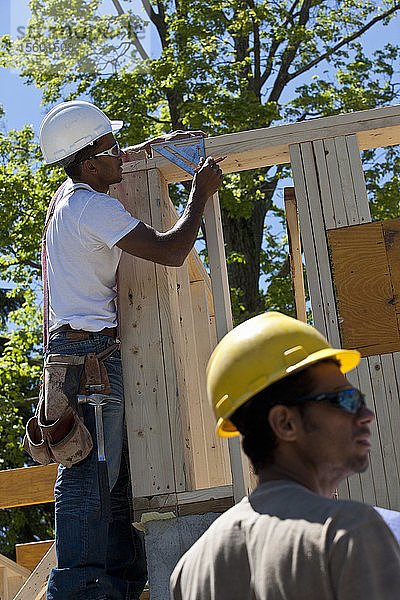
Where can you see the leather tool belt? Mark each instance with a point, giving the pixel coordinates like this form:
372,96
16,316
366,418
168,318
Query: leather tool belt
57,432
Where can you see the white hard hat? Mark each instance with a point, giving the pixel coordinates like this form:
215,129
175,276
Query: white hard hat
70,126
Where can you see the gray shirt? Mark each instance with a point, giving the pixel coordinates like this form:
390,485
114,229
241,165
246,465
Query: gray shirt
286,543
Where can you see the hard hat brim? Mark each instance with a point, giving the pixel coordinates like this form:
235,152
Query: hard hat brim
348,360
116,126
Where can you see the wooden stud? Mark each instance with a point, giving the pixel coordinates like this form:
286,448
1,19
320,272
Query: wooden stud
143,365
383,417
346,181
168,310
357,174
219,472
307,238
242,481
192,414
296,263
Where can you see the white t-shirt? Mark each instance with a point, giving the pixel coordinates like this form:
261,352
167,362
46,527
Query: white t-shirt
82,258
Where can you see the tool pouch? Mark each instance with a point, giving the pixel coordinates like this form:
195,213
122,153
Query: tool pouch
95,379
57,432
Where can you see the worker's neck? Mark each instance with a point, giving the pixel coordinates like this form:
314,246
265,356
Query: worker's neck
309,478
94,182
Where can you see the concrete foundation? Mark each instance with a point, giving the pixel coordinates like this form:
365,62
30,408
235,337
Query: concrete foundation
166,541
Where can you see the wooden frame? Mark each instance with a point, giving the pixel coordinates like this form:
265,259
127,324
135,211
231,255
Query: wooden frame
330,190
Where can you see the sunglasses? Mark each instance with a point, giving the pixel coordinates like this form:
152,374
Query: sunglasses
113,151
350,400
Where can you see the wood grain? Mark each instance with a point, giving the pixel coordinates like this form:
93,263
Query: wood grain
28,485
364,259
270,146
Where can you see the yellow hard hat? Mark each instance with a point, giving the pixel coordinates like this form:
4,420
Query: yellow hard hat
259,352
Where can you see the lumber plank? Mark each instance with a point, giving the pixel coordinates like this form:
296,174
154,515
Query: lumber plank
351,487
28,485
383,417
13,568
202,508
296,263
206,494
320,244
346,181
377,468
242,482
270,146
197,270
172,352
307,238
30,554
216,448
324,186
357,174
147,415
4,583
192,417
392,399
35,586
334,183
366,478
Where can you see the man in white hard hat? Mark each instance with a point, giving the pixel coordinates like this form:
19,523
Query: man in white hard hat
99,558
305,428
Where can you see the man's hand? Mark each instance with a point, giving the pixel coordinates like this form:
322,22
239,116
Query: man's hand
168,137
207,180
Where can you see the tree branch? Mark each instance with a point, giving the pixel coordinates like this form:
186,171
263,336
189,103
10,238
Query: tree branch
344,41
275,45
289,55
135,39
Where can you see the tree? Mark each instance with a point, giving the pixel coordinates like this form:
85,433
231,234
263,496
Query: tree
240,65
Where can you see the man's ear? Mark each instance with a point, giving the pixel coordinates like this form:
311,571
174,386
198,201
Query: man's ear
88,167
284,421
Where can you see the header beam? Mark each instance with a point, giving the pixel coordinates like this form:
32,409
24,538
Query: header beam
269,146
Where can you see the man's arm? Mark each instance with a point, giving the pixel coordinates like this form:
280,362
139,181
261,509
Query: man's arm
171,247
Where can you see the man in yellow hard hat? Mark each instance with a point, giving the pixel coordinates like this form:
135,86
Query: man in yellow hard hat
278,383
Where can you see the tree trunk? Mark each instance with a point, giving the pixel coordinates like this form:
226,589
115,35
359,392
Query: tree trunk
244,236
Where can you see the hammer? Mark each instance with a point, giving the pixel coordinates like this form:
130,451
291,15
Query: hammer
98,401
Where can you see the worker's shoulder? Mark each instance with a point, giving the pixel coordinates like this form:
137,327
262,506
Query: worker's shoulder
291,501
85,198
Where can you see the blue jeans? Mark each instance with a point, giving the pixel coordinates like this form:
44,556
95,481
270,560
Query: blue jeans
96,559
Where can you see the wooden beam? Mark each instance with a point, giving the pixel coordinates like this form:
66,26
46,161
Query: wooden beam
242,480
13,567
296,263
29,555
26,486
270,146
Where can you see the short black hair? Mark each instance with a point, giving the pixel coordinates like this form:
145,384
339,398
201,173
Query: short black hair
251,419
73,169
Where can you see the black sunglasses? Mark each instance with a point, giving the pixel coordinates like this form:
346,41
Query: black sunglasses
350,400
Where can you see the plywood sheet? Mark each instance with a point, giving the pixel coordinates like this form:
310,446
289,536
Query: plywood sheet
365,269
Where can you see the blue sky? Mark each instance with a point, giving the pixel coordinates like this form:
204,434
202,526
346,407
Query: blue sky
22,102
